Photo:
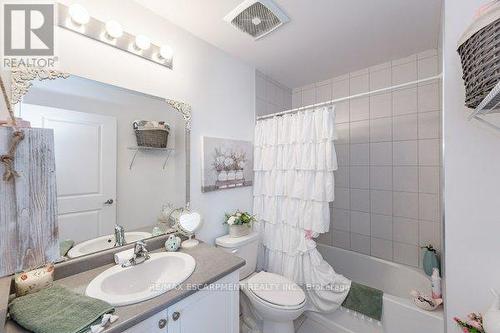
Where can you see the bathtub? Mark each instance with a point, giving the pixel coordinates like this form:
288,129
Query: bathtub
399,313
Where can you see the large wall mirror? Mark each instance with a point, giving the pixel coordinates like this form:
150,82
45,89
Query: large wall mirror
115,167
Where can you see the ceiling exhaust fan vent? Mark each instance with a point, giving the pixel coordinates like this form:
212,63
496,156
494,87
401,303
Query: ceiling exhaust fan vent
257,17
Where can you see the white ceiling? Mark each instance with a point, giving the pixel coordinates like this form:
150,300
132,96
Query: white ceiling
325,38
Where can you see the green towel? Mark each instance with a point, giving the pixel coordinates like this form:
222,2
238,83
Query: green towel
65,246
364,300
57,310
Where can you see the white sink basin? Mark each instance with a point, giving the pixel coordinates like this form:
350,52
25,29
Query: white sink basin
104,243
161,273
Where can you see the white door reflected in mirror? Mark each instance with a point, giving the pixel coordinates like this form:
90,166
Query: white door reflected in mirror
189,223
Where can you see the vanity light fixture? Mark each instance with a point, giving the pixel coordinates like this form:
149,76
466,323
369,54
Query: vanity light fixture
113,30
166,53
142,43
77,19
79,15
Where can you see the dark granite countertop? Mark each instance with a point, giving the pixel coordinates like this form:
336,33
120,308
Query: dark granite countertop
211,265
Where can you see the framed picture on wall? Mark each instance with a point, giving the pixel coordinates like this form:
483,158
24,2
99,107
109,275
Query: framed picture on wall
226,164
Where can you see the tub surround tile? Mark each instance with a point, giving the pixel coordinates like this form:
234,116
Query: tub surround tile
360,243
381,248
388,151
308,96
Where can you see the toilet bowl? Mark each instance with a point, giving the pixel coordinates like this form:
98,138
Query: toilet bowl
275,300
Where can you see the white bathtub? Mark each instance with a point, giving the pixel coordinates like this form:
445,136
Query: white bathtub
399,313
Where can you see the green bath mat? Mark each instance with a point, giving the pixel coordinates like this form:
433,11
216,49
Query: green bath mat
364,300
57,310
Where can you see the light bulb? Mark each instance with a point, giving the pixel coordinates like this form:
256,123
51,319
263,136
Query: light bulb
79,15
142,42
114,29
166,53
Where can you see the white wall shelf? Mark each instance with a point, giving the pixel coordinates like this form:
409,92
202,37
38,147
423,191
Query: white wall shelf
137,149
491,104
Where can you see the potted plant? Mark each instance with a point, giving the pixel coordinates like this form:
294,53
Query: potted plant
240,223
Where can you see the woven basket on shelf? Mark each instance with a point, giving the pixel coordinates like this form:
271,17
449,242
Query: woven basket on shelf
479,49
154,138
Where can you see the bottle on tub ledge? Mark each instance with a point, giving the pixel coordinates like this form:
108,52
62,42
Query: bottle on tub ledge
436,284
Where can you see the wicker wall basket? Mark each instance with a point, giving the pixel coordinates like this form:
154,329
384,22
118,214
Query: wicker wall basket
153,138
479,49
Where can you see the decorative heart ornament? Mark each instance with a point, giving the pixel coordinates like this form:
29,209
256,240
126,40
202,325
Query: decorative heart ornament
190,222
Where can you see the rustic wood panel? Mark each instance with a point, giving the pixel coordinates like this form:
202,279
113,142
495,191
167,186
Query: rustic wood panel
28,206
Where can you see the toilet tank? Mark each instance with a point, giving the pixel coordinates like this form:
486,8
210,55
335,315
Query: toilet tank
244,247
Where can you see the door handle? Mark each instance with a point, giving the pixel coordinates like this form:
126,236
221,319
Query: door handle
176,315
109,202
162,323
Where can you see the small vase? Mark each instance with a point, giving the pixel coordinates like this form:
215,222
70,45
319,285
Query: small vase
239,174
231,175
222,176
239,230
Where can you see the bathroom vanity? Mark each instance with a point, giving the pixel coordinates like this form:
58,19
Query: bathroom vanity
208,301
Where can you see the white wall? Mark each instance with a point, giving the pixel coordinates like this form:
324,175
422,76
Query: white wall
220,89
472,180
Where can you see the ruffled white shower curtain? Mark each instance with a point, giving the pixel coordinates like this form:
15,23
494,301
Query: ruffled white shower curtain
294,184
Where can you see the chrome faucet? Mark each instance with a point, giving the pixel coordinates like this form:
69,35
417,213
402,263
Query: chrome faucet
119,235
141,254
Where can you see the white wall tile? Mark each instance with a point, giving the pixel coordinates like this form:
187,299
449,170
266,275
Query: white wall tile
360,131
381,202
405,60
260,107
429,152
341,219
429,207
324,93
360,154
309,96
343,131
427,53
404,73
376,68
428,67
342,239
359,177
342,198
406,205
381,105
405,230
360,223
405,178
360,200
430,233
381,129
342,176
406,254
260,86
429,125
381,178
360,243
404,101
360,109
405,152
381,226
381,248
405,127
381,153
380,79
428,97
340,88
362,71
342,112
429,181
297,99
343,151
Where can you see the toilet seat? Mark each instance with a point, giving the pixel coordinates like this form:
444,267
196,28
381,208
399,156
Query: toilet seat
276,291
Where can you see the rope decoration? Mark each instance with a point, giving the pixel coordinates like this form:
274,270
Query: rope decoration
17,136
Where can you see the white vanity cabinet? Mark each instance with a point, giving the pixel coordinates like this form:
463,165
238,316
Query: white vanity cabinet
214,309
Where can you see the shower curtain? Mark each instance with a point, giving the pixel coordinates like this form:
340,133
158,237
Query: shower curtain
294,184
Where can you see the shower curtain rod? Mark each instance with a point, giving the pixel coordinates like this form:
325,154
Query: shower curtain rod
350,97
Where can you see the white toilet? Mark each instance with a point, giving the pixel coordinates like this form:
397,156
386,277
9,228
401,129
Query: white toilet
276,300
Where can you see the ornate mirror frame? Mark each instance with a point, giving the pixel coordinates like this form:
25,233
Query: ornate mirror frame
22,80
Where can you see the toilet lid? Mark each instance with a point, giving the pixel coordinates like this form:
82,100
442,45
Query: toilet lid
276,289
